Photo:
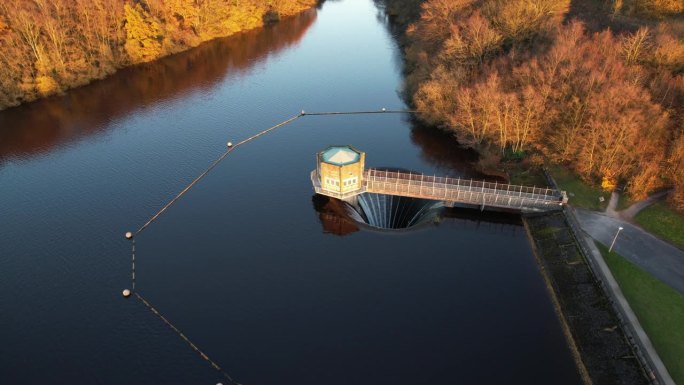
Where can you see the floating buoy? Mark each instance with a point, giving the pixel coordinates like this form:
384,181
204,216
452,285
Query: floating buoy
383,109
126,293
303,112
129,235
229,144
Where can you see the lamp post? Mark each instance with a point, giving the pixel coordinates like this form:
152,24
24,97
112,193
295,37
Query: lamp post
614,239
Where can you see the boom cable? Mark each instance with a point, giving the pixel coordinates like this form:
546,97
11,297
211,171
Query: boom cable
133,235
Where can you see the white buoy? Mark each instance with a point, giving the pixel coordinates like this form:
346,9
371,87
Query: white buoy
303,112
129,235
383,109
229,144
126,293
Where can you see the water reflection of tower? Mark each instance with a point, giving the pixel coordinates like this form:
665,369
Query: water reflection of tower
339,174
333,216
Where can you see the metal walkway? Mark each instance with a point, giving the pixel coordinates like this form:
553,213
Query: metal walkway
464,191
454,191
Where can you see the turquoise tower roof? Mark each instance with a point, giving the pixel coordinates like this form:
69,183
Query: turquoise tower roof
340,155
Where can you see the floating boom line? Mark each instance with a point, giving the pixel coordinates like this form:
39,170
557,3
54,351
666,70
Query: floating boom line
231,147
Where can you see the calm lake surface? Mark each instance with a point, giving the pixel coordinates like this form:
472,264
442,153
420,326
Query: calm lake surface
243,264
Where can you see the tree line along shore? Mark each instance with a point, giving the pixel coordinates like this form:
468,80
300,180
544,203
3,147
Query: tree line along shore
48,46
595,86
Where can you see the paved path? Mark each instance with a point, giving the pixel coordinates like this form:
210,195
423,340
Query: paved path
657,257
630,212
611,210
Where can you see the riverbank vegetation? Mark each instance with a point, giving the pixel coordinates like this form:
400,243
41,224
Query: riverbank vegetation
49,46
660,310
580,193
527,79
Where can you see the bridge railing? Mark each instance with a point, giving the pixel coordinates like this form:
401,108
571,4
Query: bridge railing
460,190
469,184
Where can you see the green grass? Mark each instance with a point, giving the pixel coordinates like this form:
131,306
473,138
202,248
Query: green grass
659,308
579,193
624,202
664,222
526,175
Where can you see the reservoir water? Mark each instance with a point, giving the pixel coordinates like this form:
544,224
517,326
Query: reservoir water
248,265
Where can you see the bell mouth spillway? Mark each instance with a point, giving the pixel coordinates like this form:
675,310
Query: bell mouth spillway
340,165
394,199
390,212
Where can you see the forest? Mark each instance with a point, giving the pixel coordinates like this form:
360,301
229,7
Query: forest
48,46
596,87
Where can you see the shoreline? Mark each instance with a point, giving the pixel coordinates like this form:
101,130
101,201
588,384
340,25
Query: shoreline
597,336
270,16
567,332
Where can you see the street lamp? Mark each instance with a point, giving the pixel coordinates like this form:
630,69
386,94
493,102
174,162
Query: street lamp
614,239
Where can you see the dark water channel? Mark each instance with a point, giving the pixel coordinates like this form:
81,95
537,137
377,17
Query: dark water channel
245,265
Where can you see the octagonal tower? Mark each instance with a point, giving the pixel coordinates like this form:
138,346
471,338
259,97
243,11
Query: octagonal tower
340,171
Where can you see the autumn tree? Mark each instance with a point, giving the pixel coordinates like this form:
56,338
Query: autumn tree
649,7
676,170
470,43
47,46
144,34
584,100
520,21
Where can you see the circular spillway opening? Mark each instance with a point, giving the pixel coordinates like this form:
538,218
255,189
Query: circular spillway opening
391,212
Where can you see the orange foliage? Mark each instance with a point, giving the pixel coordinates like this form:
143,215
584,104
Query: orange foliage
509,75
25,133
656,8
677,171
47,46
143,34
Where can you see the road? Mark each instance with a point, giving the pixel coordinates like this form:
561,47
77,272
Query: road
657,257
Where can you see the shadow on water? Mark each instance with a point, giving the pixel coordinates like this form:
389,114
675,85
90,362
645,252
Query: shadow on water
442,150
39,127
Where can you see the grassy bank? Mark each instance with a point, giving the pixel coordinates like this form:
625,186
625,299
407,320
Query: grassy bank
660,310
580,194
624,202
660,220
525,174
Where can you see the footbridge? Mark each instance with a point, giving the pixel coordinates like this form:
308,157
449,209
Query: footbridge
463,191
341,174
